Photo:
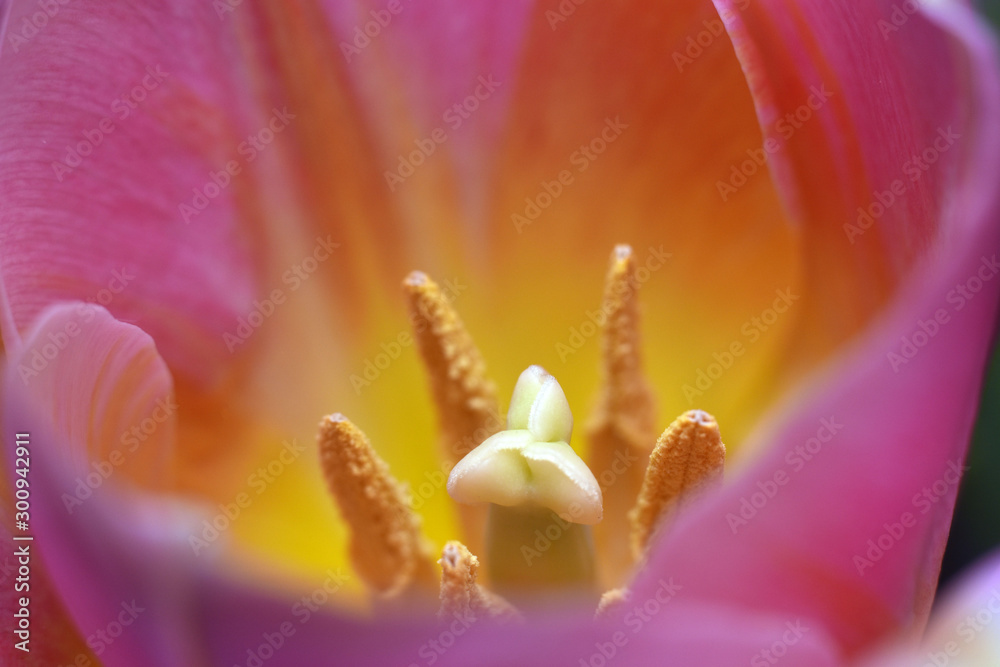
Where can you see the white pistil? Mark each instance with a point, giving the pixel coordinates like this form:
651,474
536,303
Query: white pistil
543,495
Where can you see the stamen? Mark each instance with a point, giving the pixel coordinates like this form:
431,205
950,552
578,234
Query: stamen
688,459
461,596
622,428
387,547
541,494
611,602
465,397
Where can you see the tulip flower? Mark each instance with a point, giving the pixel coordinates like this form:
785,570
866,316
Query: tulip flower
206,210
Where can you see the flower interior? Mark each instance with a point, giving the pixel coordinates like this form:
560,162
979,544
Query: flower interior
542,518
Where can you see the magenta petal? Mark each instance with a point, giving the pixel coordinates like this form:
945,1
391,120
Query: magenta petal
896,435
111,552
240,624
851,536
51,641
95,379
868,113
112,117
439,53
878,87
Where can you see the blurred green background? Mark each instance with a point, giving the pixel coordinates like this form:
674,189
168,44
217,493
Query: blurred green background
976,527
992,9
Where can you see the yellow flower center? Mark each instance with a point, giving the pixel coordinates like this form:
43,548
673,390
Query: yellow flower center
526,500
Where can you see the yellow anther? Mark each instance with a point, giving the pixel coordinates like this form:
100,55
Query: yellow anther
461,596
621,431
688,458
464,396
611,602
387,547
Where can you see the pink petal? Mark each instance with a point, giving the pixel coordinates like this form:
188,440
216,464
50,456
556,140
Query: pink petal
152,94
103,387
440,52
52,641
113,554
902,425
240,624
870,110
